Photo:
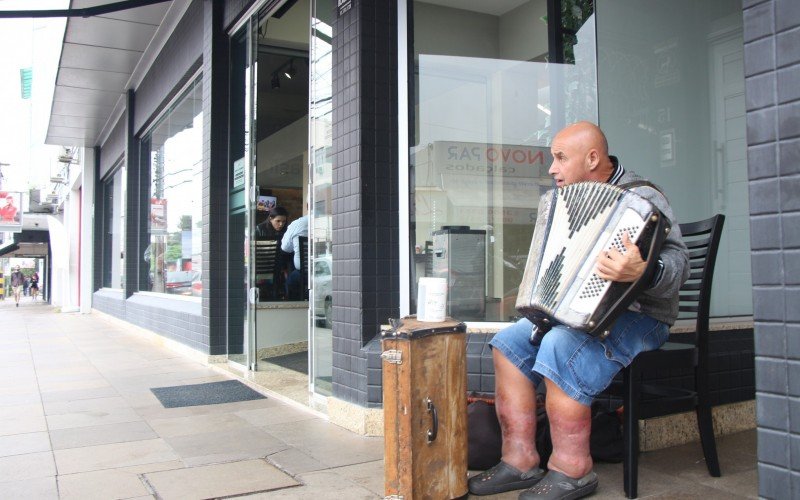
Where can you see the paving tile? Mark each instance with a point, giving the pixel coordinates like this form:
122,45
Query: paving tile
92,418
19,396
323,485
21,419
101,434
364,475
94,383
31,465
294,461
156,410
277,414
113,456
76,394
225,446
329,443
94,404
39,488
218,480
197,424
25,384
21,444
743,484
101,485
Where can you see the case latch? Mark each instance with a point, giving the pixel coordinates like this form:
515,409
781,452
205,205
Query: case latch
393,356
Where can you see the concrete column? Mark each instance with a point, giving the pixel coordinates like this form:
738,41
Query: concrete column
85,196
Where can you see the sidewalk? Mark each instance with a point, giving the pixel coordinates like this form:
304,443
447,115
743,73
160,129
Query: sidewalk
79,420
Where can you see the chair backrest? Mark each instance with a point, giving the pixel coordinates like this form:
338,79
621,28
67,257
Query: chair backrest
702,240
303,241
266,256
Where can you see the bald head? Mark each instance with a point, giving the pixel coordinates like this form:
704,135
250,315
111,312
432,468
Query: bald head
580,153
588,135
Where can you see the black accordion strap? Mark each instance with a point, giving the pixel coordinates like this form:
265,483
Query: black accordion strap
640,183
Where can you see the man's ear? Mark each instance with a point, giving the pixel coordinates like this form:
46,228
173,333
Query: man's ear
593,159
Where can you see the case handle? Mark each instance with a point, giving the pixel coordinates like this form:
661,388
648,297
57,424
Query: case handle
434,430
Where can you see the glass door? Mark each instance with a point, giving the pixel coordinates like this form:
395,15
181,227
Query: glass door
321,141
242,298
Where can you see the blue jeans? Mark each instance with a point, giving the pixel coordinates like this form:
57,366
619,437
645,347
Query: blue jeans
581,365
294,286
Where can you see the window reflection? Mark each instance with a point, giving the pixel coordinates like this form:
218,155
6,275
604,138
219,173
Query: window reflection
487,103
174,151
114,229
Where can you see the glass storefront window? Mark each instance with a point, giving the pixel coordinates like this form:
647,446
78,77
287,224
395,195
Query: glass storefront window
489,93
113,230
174,151
671,94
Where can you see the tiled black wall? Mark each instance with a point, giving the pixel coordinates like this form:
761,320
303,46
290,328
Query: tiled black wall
197,38
110,302
113,149
731,367
172,68
365,197
772,98
135,222
183,318
215,177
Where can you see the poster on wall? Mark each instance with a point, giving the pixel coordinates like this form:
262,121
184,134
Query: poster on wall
266,203
11,211
158,216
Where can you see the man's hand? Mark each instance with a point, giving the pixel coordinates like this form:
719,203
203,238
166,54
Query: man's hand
623,267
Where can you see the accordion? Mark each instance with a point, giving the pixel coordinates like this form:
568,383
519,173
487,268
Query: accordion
575,223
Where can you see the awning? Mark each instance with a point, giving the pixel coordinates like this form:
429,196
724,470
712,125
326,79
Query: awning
6,249
102,57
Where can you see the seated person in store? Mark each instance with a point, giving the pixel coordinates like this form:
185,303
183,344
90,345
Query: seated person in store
273,228
574,366
291,244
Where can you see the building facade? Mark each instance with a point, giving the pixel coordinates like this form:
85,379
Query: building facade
414,137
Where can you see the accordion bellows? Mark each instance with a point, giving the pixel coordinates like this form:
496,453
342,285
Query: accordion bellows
575,223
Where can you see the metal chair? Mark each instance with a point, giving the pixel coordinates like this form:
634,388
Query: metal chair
645,400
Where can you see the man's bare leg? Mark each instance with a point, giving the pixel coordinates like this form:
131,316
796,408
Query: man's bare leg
515,402
570,428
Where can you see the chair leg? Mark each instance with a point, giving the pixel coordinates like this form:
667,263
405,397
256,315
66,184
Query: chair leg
630,433
705,426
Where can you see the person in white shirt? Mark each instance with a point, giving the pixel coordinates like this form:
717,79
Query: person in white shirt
291,244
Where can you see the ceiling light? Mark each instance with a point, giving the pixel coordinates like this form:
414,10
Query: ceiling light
290,71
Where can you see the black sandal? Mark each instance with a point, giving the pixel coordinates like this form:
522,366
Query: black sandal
503,477
558,486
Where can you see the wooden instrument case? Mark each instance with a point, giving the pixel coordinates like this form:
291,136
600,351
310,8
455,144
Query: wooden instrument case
425,409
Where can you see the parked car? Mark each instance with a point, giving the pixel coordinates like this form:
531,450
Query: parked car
323,290
180,282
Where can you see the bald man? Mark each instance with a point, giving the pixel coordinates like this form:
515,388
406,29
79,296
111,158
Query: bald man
574,366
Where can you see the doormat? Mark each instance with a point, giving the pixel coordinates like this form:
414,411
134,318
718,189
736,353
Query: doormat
212,393
297,361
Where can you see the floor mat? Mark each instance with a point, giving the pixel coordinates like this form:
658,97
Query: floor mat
212,393
297,361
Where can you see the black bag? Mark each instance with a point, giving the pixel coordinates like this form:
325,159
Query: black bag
605,442
485,440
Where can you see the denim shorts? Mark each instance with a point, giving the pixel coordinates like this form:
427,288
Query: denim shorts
581,365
